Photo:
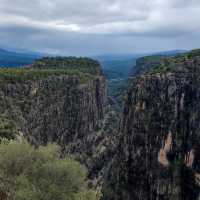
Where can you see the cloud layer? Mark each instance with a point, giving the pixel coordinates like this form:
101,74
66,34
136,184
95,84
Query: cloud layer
67,25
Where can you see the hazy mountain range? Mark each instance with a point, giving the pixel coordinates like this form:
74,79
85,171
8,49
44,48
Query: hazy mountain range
14,59
115,66
120,65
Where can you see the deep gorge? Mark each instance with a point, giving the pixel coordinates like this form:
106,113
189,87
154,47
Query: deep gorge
151,153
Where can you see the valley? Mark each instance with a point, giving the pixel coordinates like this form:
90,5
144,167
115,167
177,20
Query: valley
133,124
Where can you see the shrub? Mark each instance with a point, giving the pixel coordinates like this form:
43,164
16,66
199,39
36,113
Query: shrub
27,173
7,129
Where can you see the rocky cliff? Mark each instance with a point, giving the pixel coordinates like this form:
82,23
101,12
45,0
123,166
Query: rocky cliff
54,104
158,155
145,63
59,100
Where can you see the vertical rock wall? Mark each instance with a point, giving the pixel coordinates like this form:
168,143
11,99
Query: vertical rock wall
158,156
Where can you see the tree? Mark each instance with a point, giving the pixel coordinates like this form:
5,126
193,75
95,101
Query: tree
27,173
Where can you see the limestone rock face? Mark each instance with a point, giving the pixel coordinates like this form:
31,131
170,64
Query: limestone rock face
65,110
58,108
63,101
58,100
158,156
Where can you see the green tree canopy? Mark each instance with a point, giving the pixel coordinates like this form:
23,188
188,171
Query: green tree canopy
27,173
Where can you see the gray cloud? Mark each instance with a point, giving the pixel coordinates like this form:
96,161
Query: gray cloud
98,26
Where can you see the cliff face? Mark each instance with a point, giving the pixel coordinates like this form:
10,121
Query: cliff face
54,105
158,155
145,63
64,101
58,108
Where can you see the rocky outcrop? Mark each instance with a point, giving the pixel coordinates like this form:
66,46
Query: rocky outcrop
158,156
56,109
55,100
63,110
143,64
61,100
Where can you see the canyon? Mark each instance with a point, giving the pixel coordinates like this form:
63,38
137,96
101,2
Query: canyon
151,151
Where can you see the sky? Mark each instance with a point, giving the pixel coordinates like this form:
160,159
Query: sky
92,27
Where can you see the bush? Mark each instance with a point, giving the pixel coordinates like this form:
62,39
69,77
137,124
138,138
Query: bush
27,173
7,129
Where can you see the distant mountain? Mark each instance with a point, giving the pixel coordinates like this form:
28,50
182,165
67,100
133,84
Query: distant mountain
16,59
117,57
24,51
129,56
168,53
115,69
116,66
119,66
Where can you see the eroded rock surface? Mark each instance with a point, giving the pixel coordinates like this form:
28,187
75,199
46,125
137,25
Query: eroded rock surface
158,156
60,100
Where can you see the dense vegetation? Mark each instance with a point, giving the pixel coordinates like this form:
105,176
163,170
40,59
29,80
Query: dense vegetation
10,118
8,129
24,74
157,64
146,63
83,68
27,173
84,65
117,90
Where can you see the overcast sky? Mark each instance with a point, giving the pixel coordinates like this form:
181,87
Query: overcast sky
89,27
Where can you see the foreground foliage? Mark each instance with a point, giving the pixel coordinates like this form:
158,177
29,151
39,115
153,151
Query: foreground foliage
40,174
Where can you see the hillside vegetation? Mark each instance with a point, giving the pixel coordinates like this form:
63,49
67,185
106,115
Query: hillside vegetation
83,68
162,63
176,62
85,65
